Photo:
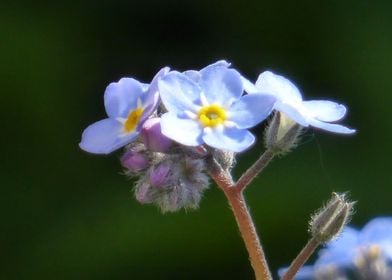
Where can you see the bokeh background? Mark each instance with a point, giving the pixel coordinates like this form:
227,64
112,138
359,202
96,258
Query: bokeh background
66,214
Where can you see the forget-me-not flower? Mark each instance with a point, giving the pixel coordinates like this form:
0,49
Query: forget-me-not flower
128,104
353,251
316,113
207,106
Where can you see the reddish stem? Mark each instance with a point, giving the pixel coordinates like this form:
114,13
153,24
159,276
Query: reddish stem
244,222
255,169
301,259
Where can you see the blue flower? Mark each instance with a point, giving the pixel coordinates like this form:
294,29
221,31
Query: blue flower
316,113
128,104
353,250
207,106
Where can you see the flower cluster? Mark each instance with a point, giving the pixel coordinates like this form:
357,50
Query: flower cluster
172,125
356,254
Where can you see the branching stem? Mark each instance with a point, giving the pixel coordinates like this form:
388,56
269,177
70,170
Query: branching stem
244,222
255,169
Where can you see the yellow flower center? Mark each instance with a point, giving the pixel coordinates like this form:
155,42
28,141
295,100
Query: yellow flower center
212,115
133,120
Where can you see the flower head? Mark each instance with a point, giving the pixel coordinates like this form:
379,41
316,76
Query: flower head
207,106
316,113
173,183
128,104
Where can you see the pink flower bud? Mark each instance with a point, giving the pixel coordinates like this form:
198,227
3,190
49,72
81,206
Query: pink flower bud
159,175
142,193
152,136
134,161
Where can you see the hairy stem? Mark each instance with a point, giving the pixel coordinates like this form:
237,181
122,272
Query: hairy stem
249,234
255,169
244,222
301,259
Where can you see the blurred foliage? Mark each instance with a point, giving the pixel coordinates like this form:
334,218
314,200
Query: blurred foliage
70,215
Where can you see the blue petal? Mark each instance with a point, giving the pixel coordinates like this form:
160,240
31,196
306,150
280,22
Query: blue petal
122,96
378,232
340,252
292,112
221,85
196,76
182,130
324,110
336,128
249,110
193,75
178,92
249,87
228,138
377,229
279,86
219,63
104,137
150,99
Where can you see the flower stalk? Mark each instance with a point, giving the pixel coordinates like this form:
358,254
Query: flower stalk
301,259
235,197
248,233
255,169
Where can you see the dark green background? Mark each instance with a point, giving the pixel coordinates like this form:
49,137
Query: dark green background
66,214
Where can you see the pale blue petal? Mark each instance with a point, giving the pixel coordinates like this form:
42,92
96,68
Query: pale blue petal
249,87
219,63
221,85
377,229
327,111
336,128
228,138
182,130
196,75
279,86
178,92
249,110
104,137
193,75
378,232
292,112
149,108
340,252
122,96
144,86
150,98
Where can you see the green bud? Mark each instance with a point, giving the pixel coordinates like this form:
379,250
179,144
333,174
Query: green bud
282,134
329,221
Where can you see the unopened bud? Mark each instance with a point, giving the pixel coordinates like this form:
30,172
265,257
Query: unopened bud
159,175
174,183
152,136
143,192
329,221
226,159
282,133
134,161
